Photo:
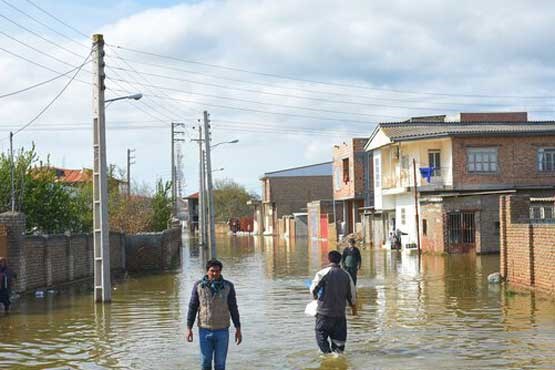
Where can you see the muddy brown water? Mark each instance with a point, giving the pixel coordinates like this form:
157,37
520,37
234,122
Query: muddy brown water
436,313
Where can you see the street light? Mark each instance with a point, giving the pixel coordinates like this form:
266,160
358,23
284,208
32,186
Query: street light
225,142
101,237
218,169
131,97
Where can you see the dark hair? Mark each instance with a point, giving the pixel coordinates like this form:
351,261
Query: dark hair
352,241
334,256
214,263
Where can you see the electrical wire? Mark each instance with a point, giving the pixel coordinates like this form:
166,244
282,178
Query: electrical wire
40,83
336,84
54,99
56,18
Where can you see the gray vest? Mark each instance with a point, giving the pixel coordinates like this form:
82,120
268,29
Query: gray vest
213,309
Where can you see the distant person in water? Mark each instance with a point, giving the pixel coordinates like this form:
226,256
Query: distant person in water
6,280
351,260
213,298
333,288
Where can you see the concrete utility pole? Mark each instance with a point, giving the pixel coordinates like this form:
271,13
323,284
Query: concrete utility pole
174,177
129,163
201,192
102,282
12,177
210,194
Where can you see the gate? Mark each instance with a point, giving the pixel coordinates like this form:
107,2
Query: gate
461,231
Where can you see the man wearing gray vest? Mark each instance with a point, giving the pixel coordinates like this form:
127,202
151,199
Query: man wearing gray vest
213,298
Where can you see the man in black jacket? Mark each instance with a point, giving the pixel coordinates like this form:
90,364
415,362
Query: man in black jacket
351,259
333,288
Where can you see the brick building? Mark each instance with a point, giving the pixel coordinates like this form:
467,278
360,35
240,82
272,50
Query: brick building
287,191
460,169
351,180
527,234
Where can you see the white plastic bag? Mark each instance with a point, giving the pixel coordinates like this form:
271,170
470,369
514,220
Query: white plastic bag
311,308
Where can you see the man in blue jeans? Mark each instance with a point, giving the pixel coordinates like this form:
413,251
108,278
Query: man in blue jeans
213,298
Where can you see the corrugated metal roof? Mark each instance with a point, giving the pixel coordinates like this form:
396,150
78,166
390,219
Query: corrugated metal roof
397,131
320,169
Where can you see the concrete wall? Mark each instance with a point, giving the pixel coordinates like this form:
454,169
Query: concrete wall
527,253
50,260
153,251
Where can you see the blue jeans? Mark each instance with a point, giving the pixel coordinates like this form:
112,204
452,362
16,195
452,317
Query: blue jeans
213,344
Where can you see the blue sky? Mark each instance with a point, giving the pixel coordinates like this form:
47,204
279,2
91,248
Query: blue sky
288,81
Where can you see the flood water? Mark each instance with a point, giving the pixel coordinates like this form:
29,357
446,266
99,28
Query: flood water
436,313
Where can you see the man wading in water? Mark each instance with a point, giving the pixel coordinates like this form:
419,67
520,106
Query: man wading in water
214,300
6,280
351,260
336,288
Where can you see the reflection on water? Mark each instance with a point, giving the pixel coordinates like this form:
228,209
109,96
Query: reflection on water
438,312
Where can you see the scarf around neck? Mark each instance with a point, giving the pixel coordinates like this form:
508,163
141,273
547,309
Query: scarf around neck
216,285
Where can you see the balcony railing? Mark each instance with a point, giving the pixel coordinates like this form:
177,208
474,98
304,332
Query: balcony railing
405,178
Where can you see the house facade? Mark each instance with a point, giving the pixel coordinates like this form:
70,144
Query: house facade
287,191
351,180
453,173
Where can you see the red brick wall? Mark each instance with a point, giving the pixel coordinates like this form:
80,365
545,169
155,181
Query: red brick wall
527,253
434,240
354,151
516,161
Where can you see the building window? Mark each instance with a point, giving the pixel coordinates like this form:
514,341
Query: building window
434,160
482,159
546,159
377,173
403,216
405,162
346,170
424,227
540,214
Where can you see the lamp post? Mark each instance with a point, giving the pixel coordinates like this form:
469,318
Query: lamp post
101,236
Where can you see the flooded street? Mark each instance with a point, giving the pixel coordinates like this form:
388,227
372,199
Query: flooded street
437,314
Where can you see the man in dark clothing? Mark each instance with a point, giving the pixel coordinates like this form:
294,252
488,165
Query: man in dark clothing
333,288
6,280
351,260
213,298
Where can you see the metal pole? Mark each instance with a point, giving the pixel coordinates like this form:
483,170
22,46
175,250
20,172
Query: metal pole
101,239
128,173
416,207
12,165
173,168
210,196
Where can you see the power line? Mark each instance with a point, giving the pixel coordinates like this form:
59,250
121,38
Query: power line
39,84
53,100
337,84
44,24
56,18
266,85
40,36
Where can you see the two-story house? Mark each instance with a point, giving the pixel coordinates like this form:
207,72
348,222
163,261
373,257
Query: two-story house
350,182
459,170
287,191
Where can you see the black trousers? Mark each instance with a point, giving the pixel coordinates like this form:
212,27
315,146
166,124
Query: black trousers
353,272
334,328
5,298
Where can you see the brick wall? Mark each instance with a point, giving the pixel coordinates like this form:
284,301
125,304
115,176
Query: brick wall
433,239
44,261
527,252
517,162
354,152
153,251
291,194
